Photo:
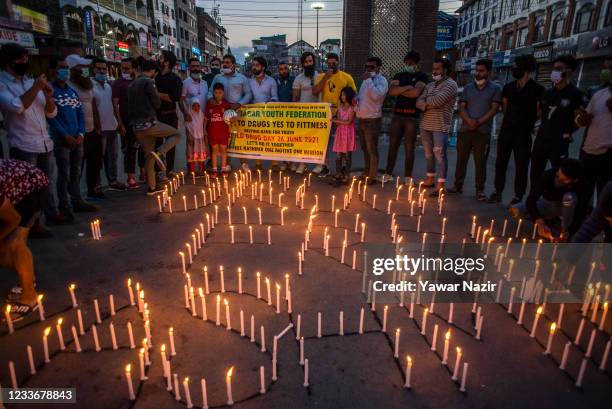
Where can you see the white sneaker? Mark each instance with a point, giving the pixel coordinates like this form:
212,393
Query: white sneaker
300,168
293,166
385,178
245,167
317,169
283,166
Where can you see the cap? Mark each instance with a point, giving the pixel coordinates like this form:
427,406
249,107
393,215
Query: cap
74,59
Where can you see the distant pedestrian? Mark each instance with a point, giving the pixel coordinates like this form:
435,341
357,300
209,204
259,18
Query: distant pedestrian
344,138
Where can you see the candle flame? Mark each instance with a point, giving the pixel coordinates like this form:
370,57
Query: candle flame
458,350
141,294
539,310
229,373
409,359
40,297
448,335
59,321
605,305
267,280
171,330
163,348
8,308
257,274
72,287
47,331
186,380
142,350
201,292
553,327
128,368
129,282
225,302
397,331
181,253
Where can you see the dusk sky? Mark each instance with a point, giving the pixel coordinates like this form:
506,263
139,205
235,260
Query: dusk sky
249,19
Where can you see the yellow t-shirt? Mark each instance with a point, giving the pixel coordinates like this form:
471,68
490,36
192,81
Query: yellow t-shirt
333,87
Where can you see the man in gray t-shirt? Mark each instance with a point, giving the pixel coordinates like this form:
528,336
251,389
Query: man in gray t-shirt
477,106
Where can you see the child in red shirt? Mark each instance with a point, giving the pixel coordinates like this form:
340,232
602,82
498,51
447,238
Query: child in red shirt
217,129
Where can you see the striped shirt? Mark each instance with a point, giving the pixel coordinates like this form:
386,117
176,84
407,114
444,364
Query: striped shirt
441,97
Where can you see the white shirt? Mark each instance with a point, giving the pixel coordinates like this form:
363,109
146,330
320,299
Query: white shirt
305,85
26,128
599,134
103,94
86,97
264,91
371,96
193,88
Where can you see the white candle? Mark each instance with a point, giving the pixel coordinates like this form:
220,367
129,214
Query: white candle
356,222
464,377
113,336
384,323
222,278
363,230
141,361
580,378
269,236
603,316
258,285
446,346
535,322
46,344
456,367
418,224
232,234
341,322
434,339
262,380
301,350
262,331
227,315
131,335
171,341
319,325
361,313
71,289
185,203
187,392
277,298
396,346
424,321
518,228
9,321
551,335
408,371
252,328
269,293
128,378
60,335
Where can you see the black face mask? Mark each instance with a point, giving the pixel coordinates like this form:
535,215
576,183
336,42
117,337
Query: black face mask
215,70
517,72
309,70
333,67
20,68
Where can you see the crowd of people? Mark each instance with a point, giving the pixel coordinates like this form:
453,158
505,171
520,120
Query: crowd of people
77,120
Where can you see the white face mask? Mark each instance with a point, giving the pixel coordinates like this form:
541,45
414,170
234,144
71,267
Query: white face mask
436,77
480,82
126,76
226,70
556,76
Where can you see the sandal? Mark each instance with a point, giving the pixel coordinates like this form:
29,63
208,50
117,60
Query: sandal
15,294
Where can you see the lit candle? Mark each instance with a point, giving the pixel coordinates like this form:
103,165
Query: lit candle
218,311
171,341
227,315
232,234
60,335
268,291
408,369
424,321
356,222
446,345
71,289
111,327
443,225
258,285
185,202
128,378
277,298
363,230
603,316
518,228
396,346
384,323
9,321
244,214
46,344
187,392
269,236
535,322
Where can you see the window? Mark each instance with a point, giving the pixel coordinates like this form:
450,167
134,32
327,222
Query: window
172,11
608,19
525,4
477,23
522,37
556,29
484,18
583,18
173,32
538,32
156,5
493,16
508,41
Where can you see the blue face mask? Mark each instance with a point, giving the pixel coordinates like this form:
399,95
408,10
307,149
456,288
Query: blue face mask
85,72
63,74
101,77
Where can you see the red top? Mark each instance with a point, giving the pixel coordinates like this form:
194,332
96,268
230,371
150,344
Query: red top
218,130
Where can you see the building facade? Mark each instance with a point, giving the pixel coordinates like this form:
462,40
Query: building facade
163,24
502,29
212,37
388,29
295,51
272,48
186,29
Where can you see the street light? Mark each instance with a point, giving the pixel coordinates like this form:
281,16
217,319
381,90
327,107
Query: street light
318,6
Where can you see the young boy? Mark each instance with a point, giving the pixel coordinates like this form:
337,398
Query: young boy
216,128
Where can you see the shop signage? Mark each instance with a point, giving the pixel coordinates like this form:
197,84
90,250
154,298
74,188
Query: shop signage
23,38
123,47
543,53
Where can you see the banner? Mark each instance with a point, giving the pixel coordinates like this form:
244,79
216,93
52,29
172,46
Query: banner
293,132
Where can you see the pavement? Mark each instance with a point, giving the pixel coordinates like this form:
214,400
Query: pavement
507,368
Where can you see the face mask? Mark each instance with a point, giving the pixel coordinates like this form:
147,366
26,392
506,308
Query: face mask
63,74
333,67
605,75
20,68
409,68
85,72
436,77
126,75
309,70
517,72
556,76
215,70
372,74
226,71
195,76
101,77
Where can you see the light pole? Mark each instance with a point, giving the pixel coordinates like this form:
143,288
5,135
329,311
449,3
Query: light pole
318,6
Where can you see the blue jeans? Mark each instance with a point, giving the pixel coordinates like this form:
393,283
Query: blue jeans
44,162
69,164
549,209
110,148
435,144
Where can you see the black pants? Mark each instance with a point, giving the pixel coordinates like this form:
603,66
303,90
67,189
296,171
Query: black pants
402,127
518,143
132,152
344,162
92,159
598,169
369,131
31,205
468,142
544,151
169,118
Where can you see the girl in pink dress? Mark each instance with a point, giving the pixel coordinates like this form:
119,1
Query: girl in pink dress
344,138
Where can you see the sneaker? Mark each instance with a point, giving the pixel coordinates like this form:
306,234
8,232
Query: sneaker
158,159
384,178
161,177
515,200
83,207
317,169
293,167
495,198
300,168
157,189
480,196
117,186
283,166
245,166
132,184
324,172
59,219
454,191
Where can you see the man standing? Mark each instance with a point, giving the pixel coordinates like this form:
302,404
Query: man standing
407,86
520,99
103,95
143,101
478,104
557,106
284,83
92,144
236,85
169,86
26,104
67,129
120,107
302,89
372,93
264,89
437,101
194,86
329,87
215,68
